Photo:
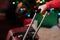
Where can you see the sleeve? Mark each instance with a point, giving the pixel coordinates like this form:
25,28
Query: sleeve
53,4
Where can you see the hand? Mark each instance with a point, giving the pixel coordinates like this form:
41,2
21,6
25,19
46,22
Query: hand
43,8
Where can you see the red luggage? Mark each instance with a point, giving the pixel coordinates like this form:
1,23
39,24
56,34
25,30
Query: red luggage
17,33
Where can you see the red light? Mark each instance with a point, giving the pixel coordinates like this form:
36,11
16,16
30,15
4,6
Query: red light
35,6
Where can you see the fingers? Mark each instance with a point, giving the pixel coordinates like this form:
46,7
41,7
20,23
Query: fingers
41,11
43,8
39,7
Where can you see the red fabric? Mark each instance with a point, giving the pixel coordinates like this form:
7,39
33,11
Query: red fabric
27,21
53,4
16,30
16,38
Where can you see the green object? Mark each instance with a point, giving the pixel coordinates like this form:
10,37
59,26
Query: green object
49,21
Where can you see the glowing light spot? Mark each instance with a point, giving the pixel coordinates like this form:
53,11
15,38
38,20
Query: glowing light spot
58,13
28,15
43,15
41,2
35,6
13,2
52,8
37,1
24,8
20,4
21,9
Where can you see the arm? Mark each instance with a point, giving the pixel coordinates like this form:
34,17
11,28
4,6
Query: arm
53,4
48,5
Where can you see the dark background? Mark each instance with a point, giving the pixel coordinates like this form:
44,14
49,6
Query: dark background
8,19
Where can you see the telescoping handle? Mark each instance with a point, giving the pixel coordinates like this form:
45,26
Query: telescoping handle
39,25
30,25
36,10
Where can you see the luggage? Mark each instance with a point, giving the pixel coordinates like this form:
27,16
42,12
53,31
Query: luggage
25,32
18,33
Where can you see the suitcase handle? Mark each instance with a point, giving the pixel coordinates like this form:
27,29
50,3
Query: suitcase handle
31,23
40,25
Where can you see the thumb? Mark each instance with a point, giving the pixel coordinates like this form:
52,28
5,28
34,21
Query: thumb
41,11
39,7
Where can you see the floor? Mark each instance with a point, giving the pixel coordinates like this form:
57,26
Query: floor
44,33
49,34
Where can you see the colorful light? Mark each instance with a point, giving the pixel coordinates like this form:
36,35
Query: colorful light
20,4
58,13
13,2
38,1
43,15
24,9
21,9
41,2
51,10
28,15
35,6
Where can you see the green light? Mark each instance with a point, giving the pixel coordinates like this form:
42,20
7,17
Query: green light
43,0
13,2
17,1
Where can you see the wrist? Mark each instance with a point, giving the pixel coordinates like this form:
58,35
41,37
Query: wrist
45,6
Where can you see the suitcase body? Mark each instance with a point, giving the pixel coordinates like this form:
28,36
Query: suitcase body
18,33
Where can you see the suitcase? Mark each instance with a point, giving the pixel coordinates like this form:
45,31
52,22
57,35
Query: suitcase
18,33
25,32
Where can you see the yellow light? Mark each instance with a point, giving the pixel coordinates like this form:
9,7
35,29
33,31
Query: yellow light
52,8
43,15
38,1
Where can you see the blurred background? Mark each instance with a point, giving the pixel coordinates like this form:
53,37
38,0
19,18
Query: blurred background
12,17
